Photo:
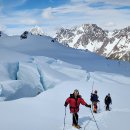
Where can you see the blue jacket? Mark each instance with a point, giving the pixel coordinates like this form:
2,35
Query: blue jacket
94,97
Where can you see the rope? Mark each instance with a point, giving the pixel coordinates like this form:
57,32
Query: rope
94,119
87,124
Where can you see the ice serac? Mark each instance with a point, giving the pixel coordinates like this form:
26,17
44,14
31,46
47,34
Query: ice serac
28,73
28,79
8,71
15,89
11,86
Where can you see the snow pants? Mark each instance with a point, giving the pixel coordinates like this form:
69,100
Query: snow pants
75,119
107,107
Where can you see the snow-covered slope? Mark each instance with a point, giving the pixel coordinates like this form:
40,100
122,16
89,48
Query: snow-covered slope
113,45
46,111
43,46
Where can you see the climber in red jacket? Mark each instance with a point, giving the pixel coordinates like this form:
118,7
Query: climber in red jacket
74,102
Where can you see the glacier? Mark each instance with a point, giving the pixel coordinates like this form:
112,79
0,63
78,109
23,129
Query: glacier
37,75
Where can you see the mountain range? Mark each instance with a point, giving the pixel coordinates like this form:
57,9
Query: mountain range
111,44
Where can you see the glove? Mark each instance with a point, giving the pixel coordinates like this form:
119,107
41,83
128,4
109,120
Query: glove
88,105
65,104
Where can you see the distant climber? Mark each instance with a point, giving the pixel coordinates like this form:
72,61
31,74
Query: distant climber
94,100
108,101
74,102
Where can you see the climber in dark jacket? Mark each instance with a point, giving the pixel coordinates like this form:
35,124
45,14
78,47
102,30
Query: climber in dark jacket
108,101
74,102
94,100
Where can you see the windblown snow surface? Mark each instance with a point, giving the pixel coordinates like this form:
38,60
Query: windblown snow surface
41,74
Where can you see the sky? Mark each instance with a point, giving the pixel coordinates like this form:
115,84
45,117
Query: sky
17,16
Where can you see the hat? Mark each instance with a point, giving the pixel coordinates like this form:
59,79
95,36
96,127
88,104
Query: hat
76,90
95,91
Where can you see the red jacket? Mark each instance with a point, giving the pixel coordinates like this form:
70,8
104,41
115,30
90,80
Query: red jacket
74,103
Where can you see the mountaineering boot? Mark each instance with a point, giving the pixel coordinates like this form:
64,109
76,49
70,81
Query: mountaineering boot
76,126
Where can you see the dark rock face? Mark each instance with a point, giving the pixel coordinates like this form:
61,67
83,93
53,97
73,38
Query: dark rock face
24,35
0,33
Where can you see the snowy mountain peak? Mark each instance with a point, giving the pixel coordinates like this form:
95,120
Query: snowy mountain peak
36,31
83,37
33,31
122,32
89,26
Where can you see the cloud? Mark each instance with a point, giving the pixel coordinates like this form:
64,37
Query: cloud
117,2
110,25
62,10
2,27
77,1
76,12
1,8
16,30
26,17
28,21
47,13
111,2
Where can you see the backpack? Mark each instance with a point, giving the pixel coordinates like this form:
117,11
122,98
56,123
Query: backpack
94,98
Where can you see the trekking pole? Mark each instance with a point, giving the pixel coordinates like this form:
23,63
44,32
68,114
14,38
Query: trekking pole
92,86
99,106
64,119
92,91
94,119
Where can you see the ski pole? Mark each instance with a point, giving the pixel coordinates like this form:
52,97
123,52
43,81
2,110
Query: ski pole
94,119
64,119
